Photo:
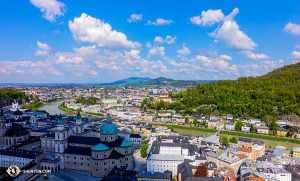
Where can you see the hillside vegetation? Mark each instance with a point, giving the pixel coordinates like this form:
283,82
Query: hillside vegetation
7,96
276,93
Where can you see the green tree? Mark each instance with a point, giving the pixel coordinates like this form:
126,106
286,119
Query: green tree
195,121
238,125
233,140
186,120
224,140
253,129
118,101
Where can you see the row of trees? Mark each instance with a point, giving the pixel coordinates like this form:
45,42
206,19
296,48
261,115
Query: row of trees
89,100
143,149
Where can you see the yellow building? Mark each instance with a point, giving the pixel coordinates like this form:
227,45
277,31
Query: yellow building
212,123
296,152
281,132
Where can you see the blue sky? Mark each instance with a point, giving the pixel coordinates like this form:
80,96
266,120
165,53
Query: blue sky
63,41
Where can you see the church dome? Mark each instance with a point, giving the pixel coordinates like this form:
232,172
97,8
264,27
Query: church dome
108,128
18,112
100,147
126,143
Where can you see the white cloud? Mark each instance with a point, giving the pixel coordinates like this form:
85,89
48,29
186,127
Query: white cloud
36,71
68,58
3,71
184,51
93,72
51,9
169,39
254,56
292,28
157,51
92,30
208,17
53,71
86,50
295,55
43,49
297,46
134,18
225,57
148,44
159,22
231,35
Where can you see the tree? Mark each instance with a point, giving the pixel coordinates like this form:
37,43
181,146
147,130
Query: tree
202,170
268,119
238,125
195,121
186,120
288,134
253,129
118,101
274,127
233,140
223,140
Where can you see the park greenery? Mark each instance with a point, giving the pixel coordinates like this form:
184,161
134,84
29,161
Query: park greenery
269,96
144,148
87,100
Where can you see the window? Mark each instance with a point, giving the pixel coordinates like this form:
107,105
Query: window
81,158
74,157
113,162
96,169
74,163
81,163
96,164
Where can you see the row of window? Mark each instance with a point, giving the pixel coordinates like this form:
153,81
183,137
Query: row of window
81,158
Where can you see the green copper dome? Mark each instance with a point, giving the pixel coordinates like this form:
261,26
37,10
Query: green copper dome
100,147
126,143
60,120
108,127
78,115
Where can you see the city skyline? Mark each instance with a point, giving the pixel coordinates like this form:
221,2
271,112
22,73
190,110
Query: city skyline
96,42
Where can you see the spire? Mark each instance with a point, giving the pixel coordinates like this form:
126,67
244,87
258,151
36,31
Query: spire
1,113
108,117
78,115
60,120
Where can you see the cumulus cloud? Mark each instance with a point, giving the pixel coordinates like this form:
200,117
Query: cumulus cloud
231,35
225,57
169,39
148,44
157,51
93,72
51,9
208,17
134,18
86,50
53,71
292,28
184,51
43,49
68,58
254,56
159,22
92,30
295,55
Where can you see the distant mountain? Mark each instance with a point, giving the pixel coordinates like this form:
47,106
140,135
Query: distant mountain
131,80
163,81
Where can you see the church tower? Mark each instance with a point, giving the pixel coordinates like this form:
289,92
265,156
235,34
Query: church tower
78,128
2,126
61,139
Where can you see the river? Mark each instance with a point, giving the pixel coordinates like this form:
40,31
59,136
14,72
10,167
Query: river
52,108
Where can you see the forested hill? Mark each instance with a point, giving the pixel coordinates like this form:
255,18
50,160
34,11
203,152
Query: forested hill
7,96
276,93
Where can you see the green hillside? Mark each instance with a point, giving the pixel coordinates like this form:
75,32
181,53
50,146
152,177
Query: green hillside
7,96
276,93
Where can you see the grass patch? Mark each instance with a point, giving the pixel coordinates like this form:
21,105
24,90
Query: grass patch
258,136
233,133
189,128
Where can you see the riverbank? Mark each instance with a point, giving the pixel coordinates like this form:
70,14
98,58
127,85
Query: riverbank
71,111
271,141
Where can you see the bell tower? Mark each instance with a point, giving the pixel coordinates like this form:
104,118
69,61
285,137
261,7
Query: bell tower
78,128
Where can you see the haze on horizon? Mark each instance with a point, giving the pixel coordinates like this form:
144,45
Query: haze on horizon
61,41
